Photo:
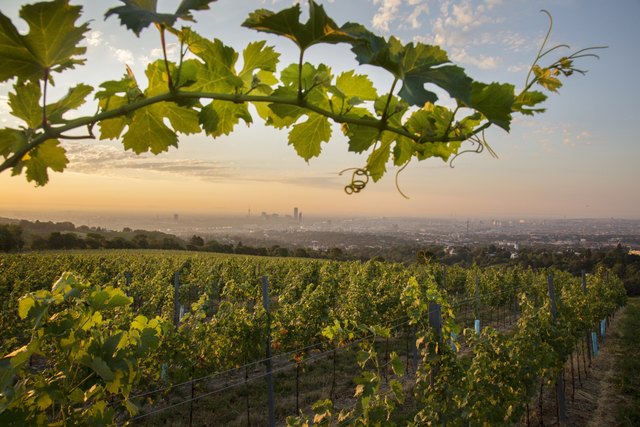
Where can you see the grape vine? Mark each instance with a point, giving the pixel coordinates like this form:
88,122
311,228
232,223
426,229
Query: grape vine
211,93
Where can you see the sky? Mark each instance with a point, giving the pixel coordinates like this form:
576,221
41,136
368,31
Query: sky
579,159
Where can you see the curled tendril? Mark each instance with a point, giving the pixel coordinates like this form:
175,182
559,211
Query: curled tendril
397,183
359,180
482,144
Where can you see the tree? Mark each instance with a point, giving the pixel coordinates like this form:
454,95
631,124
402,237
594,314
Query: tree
211,94
10,238
196,241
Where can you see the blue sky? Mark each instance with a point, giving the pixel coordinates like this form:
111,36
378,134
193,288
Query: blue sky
579,159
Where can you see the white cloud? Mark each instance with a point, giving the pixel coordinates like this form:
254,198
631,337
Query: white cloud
94,38
418,11
387,11
172,49
124,56
481,61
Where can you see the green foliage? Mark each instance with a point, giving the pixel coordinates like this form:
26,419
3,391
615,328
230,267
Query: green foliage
210,94
83,353
96,333
52,43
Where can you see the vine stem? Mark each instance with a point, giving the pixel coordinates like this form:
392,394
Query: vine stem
45,125
166,60
53,133
385,113
300,59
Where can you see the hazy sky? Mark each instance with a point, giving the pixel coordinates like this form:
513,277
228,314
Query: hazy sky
579,159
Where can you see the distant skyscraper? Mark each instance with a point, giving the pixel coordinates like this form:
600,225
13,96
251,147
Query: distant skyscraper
295,213
300,217
175,217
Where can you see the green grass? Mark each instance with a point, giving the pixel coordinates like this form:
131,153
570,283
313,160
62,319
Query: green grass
628,365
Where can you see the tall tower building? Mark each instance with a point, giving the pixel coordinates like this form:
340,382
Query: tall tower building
295,214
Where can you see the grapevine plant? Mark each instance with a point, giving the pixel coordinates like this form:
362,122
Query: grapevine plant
210,90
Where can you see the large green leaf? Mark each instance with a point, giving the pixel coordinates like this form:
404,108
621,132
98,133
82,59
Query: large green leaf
526,100
137,15
307,136
319,28
353,88
218,73
257,56
377,161
494,101
51,44
11,140
403,150
17,59
75,97
25,103
360,137
423,64
414,64
147,132
48,155
219,118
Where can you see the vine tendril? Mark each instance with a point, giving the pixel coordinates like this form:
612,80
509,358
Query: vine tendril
357,183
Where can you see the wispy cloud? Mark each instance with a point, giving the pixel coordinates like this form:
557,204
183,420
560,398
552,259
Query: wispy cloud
104,159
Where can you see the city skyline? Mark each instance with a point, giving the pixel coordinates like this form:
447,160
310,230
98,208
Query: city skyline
578,160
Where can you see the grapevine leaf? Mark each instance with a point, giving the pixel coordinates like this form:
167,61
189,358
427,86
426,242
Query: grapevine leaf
529,99
11,140
51,43
430,120
360,137
48,155
25,103
416,65
494,101
17,59
219,118
24,306
147,132
217,74
186,6
375,50
112,128
318,29
395,109
547,78
402,150
75,97
258,57
396,365
289,76
422,64
377,161
137,15
443,150
184,120
307,136
355,88
101,368
398,390
284,115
